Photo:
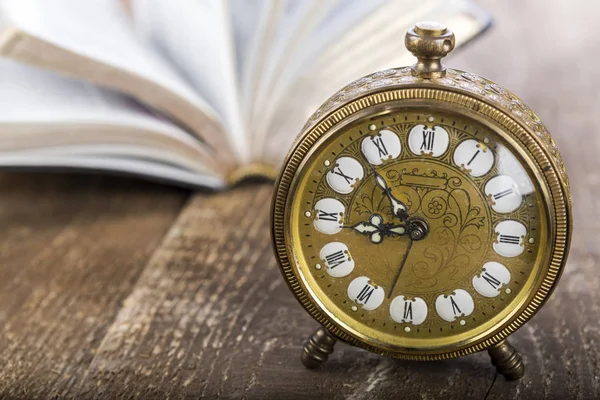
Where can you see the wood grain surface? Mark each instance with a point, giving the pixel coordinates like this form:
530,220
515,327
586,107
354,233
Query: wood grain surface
113,288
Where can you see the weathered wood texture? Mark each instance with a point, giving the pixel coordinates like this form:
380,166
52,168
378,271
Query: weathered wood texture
114,289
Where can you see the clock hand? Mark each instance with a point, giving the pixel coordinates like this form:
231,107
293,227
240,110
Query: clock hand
401,268
376,229
417,229
399,209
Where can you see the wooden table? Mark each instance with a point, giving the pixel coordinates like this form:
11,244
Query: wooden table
117,288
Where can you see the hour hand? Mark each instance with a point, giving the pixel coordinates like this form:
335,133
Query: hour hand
399,209
376,229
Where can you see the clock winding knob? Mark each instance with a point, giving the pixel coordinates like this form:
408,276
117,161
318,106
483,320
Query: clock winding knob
429,42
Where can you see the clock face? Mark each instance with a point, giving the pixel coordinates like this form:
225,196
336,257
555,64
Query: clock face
418,229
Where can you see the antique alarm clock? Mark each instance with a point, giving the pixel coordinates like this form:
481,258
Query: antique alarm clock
423,213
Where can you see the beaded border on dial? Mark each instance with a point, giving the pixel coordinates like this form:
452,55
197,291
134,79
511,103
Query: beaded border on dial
557,184
455,80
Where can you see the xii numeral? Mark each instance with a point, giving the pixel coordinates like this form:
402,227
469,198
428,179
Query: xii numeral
428,138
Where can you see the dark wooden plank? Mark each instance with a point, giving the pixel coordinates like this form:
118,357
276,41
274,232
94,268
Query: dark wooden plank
211,317
71,249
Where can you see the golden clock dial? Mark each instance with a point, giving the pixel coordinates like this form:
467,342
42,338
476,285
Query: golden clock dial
418,229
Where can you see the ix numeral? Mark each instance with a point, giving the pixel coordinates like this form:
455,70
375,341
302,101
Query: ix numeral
325,216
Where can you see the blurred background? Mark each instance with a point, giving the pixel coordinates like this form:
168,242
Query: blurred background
114,287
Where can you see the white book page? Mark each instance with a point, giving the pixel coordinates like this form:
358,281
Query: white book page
263,37
296,21
248,20
354,56
40,110
197,37
94,40
340,17
49,161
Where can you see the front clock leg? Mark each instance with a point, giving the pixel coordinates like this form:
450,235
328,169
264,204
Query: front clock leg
507,360
317,348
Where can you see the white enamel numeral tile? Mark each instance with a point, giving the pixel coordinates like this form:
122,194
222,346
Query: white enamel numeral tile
345,175
504,192
403,310
510,236
328,216
337,259
385,145
457,304
363,292
490,280
424,140
475,157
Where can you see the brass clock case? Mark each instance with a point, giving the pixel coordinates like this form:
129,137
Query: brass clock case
451,91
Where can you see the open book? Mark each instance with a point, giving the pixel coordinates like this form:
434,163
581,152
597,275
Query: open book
195,93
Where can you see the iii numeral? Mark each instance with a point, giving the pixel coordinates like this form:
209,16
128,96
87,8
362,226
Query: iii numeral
509,239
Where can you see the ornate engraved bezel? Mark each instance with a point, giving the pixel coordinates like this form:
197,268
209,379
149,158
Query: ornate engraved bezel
463,93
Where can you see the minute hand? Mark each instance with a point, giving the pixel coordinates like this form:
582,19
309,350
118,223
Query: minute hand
399,209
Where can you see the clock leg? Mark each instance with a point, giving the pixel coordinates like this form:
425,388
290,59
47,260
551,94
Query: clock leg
317,348
507,360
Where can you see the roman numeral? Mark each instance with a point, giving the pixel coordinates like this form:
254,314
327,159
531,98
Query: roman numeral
428,138
325,216
455,308
473,158
408,315
509,239
380,147
340,173
504,193
495,283
365,293
335,259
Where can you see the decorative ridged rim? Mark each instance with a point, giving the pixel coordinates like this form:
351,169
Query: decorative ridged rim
557,197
